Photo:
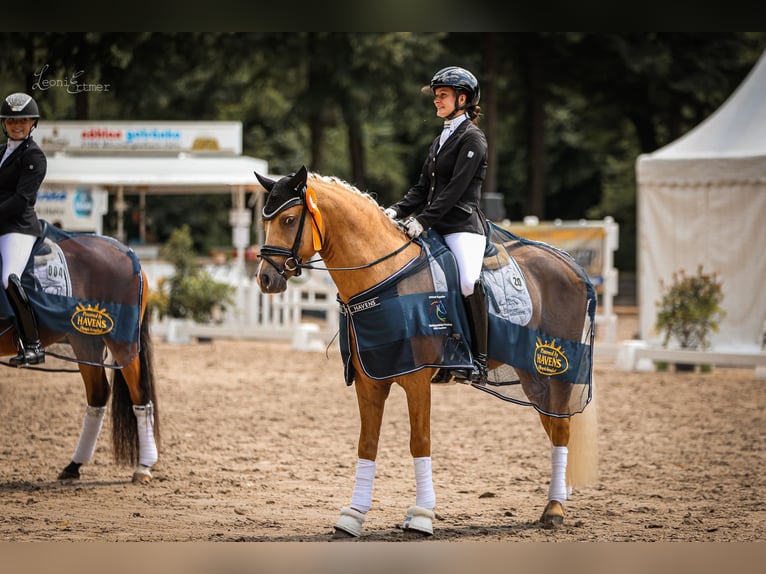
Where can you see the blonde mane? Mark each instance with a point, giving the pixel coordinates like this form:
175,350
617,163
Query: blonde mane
332,180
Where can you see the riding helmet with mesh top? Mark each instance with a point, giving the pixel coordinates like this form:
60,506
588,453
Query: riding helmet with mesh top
458,78
19,105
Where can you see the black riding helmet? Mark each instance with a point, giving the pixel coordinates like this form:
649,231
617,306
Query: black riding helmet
19,105
461,80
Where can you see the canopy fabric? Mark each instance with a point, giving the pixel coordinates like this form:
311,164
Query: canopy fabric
183,173
702,201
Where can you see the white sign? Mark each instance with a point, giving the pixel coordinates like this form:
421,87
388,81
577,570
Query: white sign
222,137
79,209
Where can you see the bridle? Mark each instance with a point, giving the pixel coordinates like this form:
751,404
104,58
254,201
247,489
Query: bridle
293,262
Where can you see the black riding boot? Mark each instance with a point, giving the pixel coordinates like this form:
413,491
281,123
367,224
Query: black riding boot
31,352
476,306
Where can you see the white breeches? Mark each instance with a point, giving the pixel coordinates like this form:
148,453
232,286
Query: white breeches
468,249
15,249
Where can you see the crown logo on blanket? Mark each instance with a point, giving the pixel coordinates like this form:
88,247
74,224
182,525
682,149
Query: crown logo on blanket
550,359
92,319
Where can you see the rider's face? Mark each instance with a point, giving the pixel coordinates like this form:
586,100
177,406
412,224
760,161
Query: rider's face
444,100
18,128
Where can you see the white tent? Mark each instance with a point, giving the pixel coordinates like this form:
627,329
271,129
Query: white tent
702,201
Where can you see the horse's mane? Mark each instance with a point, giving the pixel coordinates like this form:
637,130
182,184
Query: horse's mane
336,181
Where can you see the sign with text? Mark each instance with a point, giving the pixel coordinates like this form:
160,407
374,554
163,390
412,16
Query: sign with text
79,209
583,242
222,137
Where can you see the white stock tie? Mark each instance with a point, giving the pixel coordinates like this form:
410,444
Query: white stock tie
445,133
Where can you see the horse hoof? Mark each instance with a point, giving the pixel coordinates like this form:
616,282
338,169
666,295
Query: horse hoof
142,475
71,472
419,520
339,534
553,515
350,522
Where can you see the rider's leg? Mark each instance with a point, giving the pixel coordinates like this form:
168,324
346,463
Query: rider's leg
476,305
30,350
468,249
15,250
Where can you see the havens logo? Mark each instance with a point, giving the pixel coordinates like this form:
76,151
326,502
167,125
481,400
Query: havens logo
91,320
549,359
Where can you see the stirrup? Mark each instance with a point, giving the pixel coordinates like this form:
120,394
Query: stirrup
475,376
32,355
442,376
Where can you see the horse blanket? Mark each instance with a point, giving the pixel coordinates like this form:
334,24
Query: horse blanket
416,319
98,302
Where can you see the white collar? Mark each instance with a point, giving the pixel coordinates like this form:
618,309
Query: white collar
452,124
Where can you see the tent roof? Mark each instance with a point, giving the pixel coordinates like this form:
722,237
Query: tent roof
181,173
726,149
736,129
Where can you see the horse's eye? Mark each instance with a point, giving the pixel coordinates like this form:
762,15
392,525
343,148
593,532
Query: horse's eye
289,219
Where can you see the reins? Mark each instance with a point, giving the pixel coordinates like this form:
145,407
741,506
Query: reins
308,264
293,261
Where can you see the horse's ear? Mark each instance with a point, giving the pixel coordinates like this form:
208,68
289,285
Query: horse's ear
265,181
301,175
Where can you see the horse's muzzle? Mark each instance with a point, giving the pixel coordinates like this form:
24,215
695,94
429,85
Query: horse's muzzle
270,281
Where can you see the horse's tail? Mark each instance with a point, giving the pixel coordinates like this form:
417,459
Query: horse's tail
582,463
124,428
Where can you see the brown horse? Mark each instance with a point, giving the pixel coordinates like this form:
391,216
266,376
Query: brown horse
361,247
100,269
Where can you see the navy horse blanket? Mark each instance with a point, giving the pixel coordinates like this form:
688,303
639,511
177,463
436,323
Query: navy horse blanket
83,284
416,319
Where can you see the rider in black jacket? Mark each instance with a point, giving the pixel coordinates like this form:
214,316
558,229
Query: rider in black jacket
22,170
446,198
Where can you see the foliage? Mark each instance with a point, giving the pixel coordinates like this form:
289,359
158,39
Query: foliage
349,104
690,309
190,292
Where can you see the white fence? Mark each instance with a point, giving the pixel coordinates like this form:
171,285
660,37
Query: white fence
307,308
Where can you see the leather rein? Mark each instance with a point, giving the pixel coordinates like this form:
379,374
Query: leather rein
293,262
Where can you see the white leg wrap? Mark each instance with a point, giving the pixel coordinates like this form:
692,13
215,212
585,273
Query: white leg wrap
91,427
558,487
361,500
425,497
147,449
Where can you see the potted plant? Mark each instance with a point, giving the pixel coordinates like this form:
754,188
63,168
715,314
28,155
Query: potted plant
690,310
190,293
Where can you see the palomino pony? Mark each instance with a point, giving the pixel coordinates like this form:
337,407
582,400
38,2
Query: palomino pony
89,291
363,250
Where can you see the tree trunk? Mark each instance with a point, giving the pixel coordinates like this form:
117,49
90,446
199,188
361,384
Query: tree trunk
355,145
489,99
536,127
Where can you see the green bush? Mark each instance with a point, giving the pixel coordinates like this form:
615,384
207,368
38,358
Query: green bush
190,293
690,309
